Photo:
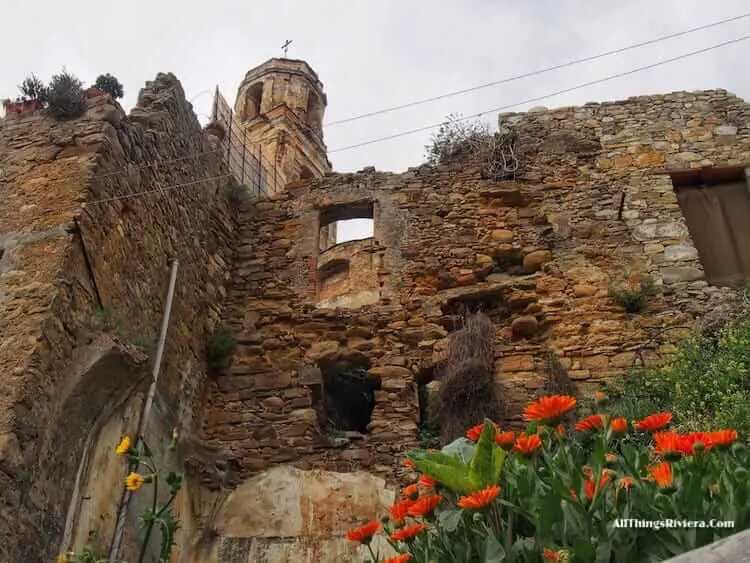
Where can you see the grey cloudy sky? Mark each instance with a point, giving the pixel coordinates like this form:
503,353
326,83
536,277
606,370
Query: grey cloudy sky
372,54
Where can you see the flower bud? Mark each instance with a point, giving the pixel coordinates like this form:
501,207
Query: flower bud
699,447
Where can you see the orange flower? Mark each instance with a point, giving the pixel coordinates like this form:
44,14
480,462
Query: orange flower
690,440
589,485
654,422
403,558
426,481
410,491
625,482
473,433
669,443
619,425
409,464
561,429
590,423
723,437
661,474
552,556
549,409
505,439
526,445
363,534
400,510
405,534
423,506
479,499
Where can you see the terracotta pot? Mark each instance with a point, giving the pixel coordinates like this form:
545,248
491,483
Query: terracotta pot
94,93
215,129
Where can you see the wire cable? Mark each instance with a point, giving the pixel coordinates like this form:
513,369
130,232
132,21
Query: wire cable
537,72
545,96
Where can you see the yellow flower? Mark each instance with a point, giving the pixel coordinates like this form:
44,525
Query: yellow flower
134,481
62,558
123,447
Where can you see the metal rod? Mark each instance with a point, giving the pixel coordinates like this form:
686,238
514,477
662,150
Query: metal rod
125,503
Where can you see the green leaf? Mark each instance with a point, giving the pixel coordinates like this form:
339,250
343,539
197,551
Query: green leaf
460,448
480,468
493,551
449,519
449,471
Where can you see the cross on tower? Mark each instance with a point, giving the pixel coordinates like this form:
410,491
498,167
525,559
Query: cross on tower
285,46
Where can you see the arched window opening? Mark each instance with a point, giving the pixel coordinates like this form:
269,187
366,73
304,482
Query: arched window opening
253,99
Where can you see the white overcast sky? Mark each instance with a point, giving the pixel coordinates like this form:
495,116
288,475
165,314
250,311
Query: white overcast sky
375,54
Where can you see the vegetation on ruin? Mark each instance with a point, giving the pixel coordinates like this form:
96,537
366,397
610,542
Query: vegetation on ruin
456,137
633,292
143,474
467,390
109,84
236,194
66,96
219,348
105,319
705,383
33,89
496,496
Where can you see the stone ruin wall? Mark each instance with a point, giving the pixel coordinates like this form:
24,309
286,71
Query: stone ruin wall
68,389
539,252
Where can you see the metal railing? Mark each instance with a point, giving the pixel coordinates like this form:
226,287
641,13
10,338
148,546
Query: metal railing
245,161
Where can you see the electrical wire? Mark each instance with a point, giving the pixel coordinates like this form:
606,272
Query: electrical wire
537,72
545,96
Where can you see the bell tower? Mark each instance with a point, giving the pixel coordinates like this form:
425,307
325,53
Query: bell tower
281,104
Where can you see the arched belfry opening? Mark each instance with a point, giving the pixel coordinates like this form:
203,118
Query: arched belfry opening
253,99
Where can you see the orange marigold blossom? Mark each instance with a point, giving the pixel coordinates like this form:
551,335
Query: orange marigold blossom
427,481
625,482
403,558
552,555
661,474
405,534
669,443
561,429
527,445
654,422
473,434
693,438
619,425
723,437
590,423
549,409
505,439
423,506
409,464
410,490
363,534
589,485
400,509
479,499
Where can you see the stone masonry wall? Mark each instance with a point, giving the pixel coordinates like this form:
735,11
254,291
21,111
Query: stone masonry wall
538,254
59,261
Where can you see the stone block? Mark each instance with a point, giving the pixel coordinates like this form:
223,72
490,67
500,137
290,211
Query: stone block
534,261
524,327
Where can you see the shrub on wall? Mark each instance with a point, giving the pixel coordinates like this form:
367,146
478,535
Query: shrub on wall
539,496
109,84
633,293
456,136
33,89
219,348
66,96
706,383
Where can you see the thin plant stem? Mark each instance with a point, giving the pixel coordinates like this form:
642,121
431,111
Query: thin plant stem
151,521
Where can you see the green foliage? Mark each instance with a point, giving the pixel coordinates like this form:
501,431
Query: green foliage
105,319
456,136
221,343
560,501
705,384
66,96
33,89
633,295
110,85
235,193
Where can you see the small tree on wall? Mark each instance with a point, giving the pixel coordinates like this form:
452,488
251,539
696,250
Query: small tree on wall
109,84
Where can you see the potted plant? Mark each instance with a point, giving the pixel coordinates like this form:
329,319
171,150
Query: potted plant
215,129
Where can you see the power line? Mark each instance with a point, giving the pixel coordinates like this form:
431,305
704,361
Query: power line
545,96
537,72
